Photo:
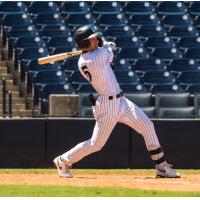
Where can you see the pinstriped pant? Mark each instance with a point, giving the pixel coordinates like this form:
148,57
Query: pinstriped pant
107,113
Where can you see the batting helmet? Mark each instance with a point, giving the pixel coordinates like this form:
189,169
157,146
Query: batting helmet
83,34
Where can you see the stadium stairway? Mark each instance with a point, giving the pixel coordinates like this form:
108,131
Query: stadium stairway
19,107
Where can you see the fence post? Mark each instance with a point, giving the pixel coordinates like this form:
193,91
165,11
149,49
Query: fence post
4,97
10,103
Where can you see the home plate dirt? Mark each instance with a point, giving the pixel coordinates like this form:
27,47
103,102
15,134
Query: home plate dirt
137,180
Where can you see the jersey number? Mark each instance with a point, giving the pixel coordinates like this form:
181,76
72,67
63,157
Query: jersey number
86,72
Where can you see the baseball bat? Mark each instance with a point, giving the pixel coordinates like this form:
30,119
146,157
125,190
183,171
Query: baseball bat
57,57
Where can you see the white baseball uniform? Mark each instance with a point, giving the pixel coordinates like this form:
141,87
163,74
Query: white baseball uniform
95,67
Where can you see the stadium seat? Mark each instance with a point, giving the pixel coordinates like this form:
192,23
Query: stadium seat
112,20
12,7
188,42
48,89
138,7
127,41
171,7
150,31
152,78
74,7
154,42
177,32
42,78
193,89
127,78
177,66
197,104
61,41
163,88
133,53
39,7
86,88
106,7
194,8
48,31
176,20
166,53
193,53
142,66
114,32
144,101
133,88
48,19
189,78
177,105
144,20
74,21
70,65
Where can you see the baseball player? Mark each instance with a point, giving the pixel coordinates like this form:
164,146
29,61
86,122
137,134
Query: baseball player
109,108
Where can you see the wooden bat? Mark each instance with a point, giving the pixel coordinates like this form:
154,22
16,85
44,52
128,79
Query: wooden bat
57,57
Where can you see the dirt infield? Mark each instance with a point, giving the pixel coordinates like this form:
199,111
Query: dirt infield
188,182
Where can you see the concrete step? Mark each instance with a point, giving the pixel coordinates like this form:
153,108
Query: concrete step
3,63
15,106
20,113
3,70
14,94
17,100
10,87
8,82
6,75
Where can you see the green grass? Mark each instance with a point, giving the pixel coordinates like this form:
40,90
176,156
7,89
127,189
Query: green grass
66,191
72,191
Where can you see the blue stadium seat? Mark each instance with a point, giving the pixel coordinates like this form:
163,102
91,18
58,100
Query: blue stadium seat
171,7
86,88
138,7
154,42
127,78
48,31
133,88
42,78
27,55
188,78
48,19
114,32
152,78
193,89
177,105
74,21
12,7
48,89
24,42
38,7
177,32
194,8
145,32
163,88
166,53
13,20
60,49
142,66
177,20
70,65
188,42
112,20
106,7
193,53
60,41
74,7
177,66
124,42
133,53
144,20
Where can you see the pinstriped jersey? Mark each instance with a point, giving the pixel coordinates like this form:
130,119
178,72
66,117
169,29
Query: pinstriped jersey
95,67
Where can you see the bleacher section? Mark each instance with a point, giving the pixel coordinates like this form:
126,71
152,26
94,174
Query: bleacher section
157,58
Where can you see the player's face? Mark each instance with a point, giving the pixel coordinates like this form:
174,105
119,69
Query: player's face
94,43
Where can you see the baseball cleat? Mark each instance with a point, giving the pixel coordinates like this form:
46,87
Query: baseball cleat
167,172
62,167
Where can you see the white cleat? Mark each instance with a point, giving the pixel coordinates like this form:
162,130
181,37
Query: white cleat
167,172
62,167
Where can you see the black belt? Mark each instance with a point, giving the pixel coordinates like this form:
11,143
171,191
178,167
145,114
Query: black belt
117,96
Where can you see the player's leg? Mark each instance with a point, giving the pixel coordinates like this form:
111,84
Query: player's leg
105,123
134,117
